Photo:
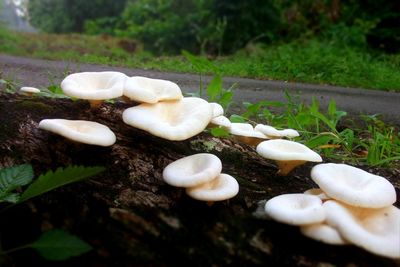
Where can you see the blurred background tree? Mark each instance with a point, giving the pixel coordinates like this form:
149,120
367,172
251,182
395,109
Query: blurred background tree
224,26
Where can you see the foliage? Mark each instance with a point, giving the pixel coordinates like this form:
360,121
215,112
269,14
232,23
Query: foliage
70,15
57,245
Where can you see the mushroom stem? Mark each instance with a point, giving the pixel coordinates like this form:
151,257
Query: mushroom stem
95,103
252,141
285,167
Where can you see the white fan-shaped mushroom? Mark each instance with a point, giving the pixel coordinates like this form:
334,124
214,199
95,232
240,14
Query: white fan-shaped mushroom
221,121
218,110
29,90
324,233
172,120
354,186
244,132
376,230
147,90
192,170
295,209
272,133
94,86
221,188
287,154
87,132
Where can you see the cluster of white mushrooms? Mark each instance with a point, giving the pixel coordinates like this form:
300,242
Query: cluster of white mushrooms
201,175
351,206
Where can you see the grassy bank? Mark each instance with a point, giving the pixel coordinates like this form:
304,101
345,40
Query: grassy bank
307,61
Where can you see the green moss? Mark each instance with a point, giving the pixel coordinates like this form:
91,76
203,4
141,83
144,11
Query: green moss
34,106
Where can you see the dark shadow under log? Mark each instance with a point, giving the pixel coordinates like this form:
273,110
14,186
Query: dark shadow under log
132,218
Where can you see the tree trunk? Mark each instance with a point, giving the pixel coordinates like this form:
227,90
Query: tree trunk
132,218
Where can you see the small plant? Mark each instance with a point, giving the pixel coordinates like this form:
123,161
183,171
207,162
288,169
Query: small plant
54,244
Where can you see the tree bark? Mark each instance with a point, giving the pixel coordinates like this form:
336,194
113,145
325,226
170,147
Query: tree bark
132,218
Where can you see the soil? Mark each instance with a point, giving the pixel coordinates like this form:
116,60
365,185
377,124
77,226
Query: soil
132,218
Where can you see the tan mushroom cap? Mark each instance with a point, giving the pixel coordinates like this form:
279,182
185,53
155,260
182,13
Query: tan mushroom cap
295,209
272,132
353,186
376,230
323,232
94,85
87,132
147,90
223,187
172,120
192,170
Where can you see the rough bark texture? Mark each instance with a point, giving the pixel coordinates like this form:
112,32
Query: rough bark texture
132,218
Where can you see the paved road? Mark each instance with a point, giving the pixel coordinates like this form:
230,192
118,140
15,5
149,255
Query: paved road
37,73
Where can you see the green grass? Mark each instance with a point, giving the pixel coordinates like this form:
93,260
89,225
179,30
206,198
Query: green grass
309,61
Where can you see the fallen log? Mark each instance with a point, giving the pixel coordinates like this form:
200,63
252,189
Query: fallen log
132,218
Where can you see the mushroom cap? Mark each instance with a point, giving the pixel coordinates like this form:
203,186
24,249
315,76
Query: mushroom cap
376,230
147,90
295,209
172,120
245,129
285,150
192,170
353,186
324,233
318,193
217,109
221,121
27,89
94,85
221,188
87,132
271,132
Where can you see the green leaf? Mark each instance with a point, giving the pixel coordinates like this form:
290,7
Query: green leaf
236,118
60,177
219,132
12,178
58,245
321,139
214,88
225,99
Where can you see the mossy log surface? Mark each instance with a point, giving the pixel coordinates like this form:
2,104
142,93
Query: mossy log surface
132,218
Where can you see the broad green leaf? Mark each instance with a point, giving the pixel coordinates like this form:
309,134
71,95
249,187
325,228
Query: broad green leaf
219,132
60,177
332,108
57,245
321,139
214,88
225,99
199,63
236,118
14,177
10,197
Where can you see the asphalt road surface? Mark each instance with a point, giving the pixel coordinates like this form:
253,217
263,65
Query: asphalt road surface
41,73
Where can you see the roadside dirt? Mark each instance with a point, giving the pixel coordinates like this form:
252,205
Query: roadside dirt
41,73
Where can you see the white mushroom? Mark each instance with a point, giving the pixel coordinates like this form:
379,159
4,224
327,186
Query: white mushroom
172,120
218,110
147,90
87,132
222,121
324,233
94,86
273,133
221,188
287,154
192,170
354,186
318,193
244,132
295,209
29,91
376,230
